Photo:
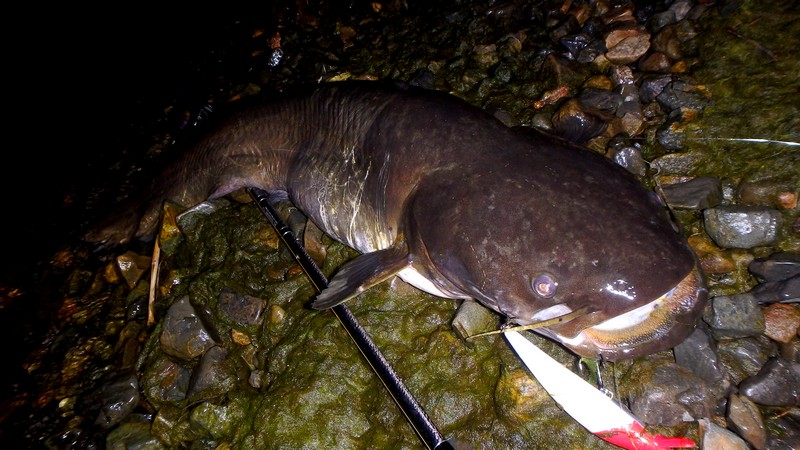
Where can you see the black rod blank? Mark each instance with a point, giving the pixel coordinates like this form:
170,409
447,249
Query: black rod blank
419,420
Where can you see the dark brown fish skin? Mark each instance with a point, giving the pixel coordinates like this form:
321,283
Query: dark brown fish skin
420,180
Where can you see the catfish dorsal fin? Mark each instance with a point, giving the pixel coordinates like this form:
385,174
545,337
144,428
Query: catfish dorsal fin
361,273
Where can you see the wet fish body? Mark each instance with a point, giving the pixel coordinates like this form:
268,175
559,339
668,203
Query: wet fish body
438,192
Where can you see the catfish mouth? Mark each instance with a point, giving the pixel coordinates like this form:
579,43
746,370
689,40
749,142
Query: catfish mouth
656,326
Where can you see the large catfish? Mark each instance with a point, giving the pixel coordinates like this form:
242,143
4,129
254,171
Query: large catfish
438,192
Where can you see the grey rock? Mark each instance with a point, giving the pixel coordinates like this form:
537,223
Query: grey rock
117,400
741,226
651,87
676,163
784,430
660,20
744,357
183,334
670,137
133,435
631,159
784,291
212,373
776,384
600,99
241,309
776,267
699,353
165,380
672,394
698,193
680,94
681,9
734,316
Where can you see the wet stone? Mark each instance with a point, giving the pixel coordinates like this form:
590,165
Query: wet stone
660,20
212,373
785,291
699,354
696,194
472,318
621,75
776,384
666,41
770,193
744,357
741,226
241,309
117,398
680,94
717,438
603,100
655,62
776,267
745,418
577,123
132,267
651,87
183,334
626,45
217,420
681,9
670,136
133,436
713,260
631,159
575,43
672,394
734,316
165,380
781,322
785,430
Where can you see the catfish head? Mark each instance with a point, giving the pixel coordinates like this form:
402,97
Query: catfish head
563,232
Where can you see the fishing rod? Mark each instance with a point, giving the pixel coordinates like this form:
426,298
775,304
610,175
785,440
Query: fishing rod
416,416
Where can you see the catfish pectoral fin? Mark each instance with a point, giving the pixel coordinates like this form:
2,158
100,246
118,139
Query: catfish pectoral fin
360,274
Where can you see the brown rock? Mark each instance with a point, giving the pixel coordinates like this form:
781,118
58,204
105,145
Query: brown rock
655,62
781,322
626,45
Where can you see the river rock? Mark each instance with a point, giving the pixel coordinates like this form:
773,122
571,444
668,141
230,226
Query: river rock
776,267
239,308
183,335
671,394
741,226
781,322
734,316
745,418
717,438
776,384
212,373
627,44
117,399
698,193
785,291
698,352
132,266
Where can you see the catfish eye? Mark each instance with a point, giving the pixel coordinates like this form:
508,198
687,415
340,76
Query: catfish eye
544,285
